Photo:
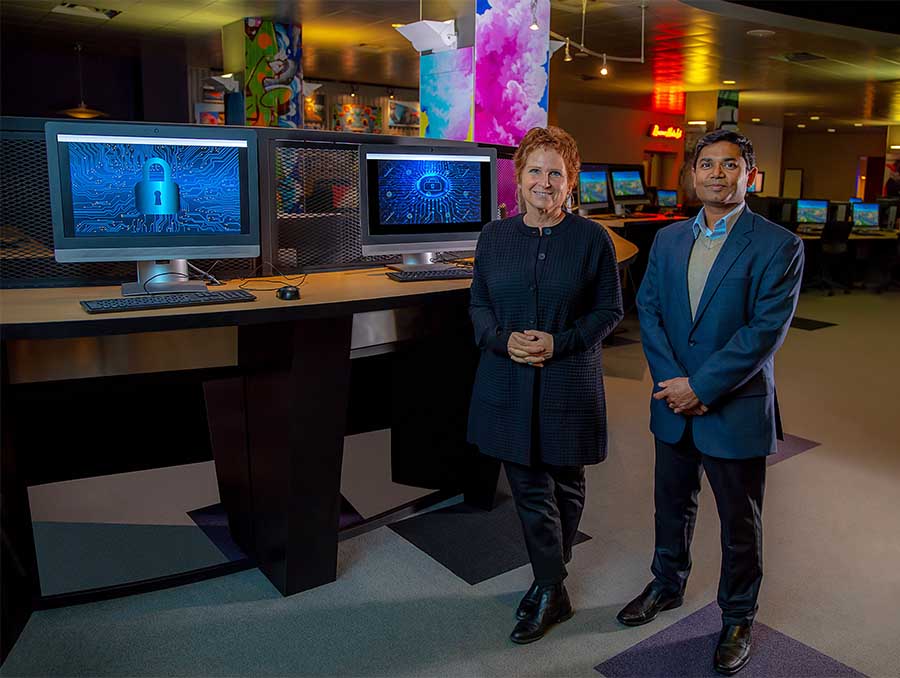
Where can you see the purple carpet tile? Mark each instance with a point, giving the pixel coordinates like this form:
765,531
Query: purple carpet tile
809,324
214,523
790,446
685,649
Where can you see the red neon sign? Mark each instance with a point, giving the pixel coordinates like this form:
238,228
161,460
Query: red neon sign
668,133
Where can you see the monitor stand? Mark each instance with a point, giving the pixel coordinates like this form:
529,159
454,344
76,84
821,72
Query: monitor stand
162,277
420,261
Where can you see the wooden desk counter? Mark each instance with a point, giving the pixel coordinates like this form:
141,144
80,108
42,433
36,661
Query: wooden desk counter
886,236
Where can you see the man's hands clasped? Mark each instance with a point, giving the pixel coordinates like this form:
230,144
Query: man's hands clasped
680,397
531,347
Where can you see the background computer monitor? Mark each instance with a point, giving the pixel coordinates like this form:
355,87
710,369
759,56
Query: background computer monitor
627,185
593,189
865,215
853,200
758,184
666,198
419,200
783,211
889,210
838,211
812,211
154,194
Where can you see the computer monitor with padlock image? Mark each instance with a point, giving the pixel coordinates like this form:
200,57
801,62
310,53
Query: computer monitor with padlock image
155,194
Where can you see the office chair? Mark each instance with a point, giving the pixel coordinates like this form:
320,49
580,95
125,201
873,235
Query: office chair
892,271
834,257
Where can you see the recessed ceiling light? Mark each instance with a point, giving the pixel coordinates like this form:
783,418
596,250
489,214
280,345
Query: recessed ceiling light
814,117
857,124
832,129
754,119
696,122
761,33
895,147
397,25
729,82
801,126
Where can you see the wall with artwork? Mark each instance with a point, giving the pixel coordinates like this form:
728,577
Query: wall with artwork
324,109
446,82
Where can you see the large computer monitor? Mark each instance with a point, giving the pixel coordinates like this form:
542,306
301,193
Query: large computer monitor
812,211
154,194
419,200
593,189
627,183
667,199
865,215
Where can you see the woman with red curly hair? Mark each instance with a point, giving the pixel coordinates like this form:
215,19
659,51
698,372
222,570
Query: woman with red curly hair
545,293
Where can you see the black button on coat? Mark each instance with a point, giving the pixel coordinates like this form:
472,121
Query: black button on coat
573,293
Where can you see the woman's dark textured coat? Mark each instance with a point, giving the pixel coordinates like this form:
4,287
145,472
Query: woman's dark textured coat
566,283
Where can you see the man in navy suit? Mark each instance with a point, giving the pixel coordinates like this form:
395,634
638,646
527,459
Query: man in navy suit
715,304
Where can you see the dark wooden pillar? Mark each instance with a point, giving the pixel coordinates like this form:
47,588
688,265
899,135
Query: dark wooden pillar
296,386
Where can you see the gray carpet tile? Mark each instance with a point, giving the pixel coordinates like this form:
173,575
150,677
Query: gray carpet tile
473,544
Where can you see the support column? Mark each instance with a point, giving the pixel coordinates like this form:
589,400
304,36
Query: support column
268,57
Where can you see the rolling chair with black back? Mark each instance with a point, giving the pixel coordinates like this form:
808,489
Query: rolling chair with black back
892,270
835,260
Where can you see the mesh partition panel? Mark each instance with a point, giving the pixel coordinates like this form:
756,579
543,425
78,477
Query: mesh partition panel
317,203
26,228
506,186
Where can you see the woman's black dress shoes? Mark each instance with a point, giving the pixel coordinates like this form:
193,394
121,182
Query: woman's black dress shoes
646,606
552,607
733,650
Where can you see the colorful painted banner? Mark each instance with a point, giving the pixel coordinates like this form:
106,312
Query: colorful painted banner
273,73
446,82
512,69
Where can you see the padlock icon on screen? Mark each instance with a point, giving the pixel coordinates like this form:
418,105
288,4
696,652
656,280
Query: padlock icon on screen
157,197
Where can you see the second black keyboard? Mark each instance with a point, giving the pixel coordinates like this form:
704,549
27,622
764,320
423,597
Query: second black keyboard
171,300
443,274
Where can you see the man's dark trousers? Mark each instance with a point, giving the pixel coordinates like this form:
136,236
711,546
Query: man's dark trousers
738,486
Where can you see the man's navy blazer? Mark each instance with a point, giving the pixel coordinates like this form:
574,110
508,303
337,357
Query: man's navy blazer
727,351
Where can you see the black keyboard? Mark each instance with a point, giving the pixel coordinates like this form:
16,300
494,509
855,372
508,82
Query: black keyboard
166,301
443,274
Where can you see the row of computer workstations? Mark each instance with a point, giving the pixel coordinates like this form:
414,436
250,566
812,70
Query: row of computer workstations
807,216
619,189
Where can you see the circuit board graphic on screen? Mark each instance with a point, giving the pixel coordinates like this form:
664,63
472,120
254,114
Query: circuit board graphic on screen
627,183
154,189
592,187
428,192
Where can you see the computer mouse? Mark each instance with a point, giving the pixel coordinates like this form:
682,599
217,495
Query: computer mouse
288,293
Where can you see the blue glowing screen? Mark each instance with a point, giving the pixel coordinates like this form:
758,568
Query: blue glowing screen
428,192
667,198
627,183
592,187
123,189
865,214
812,211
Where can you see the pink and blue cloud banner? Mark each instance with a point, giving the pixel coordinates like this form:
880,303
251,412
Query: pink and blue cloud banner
512,69
445,91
